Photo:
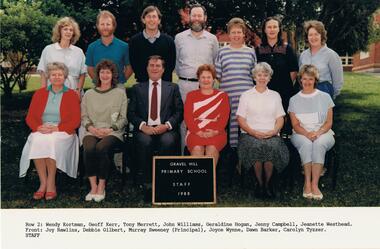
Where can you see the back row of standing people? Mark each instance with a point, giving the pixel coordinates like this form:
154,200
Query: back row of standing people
190,49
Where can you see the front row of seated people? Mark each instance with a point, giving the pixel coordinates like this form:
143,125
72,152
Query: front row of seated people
156,112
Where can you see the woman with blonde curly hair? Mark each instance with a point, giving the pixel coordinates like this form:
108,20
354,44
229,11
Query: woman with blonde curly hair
65,34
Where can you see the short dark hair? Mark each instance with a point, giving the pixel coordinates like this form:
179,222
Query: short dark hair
197,5
156,57
264,35
107,64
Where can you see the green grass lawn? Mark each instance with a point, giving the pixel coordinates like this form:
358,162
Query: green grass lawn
356,126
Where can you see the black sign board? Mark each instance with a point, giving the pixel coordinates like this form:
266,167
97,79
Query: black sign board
183,180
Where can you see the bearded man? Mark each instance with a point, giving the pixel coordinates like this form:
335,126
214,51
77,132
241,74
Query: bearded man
108,47
194,47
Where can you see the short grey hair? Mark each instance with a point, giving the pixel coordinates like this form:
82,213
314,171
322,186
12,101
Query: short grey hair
57,66
262,67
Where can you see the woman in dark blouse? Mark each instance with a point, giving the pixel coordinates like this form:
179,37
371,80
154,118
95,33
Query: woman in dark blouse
281,57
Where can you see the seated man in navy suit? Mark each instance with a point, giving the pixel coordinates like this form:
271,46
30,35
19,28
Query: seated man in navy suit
156,111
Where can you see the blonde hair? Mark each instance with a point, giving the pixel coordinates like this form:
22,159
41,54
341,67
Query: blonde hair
236,22
319,27
57,66
309,70
63,22
106,14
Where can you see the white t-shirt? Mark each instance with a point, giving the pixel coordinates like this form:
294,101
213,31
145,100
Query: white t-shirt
73,57
311,109
260,109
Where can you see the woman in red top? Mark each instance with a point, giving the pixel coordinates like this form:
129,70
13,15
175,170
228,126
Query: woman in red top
53,116
206,114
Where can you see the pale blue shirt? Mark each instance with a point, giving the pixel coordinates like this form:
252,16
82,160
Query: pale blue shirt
329,66
52,109
311,109
194,51
73,57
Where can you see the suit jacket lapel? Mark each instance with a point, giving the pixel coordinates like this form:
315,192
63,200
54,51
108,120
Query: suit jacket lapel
165,91
145,97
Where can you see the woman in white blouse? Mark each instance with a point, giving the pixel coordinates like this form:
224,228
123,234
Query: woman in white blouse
65,34
311,114
261,116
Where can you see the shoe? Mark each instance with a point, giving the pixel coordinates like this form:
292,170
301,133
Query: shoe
50,196
99,198
89,197
307,195
38,195
317,197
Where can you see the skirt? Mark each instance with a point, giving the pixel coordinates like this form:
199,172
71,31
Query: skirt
60,146
251,150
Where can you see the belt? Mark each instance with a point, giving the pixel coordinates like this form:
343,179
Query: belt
188,79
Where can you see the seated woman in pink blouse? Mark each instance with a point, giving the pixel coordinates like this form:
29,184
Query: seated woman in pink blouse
206,114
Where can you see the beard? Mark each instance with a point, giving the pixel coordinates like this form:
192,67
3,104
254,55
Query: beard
197,27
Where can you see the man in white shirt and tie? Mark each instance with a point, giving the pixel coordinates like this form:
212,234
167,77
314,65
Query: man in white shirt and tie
156,111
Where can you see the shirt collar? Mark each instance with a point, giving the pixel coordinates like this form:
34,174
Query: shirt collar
323,48
203,35
58,47
265,92
50,89
309,95
157,35
101,41
158,81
